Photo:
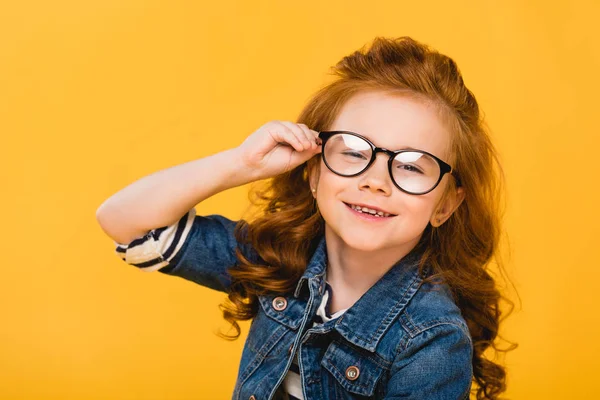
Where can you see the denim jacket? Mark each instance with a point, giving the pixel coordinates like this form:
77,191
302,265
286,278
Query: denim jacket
400,340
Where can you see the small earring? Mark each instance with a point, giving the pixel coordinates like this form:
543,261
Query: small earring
314,190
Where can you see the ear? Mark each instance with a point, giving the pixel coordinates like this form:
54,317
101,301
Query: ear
313,170
448,204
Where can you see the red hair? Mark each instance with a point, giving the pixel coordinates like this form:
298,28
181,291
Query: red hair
460,251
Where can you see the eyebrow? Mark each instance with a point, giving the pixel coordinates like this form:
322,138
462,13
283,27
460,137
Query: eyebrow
409,148
402,148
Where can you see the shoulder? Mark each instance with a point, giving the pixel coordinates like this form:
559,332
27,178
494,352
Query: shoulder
427,317
432,305
431,319
433,358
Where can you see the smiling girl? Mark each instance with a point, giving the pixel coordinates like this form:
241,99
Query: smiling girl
365,275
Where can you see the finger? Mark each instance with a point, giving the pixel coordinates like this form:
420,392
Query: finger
286,135
315,141
300,134
280,133
309,136
312,136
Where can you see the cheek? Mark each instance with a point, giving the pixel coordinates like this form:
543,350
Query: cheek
331,183
418,208
332,190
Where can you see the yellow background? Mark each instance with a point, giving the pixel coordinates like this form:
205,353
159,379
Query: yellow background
97,94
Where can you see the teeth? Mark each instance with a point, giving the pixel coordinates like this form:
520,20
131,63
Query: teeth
370,211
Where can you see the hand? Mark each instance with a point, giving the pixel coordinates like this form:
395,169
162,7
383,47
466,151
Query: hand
277,147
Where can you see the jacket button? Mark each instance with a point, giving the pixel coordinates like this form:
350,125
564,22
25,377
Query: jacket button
279,303
252,398
352,373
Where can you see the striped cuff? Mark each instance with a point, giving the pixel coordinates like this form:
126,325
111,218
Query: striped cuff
154,250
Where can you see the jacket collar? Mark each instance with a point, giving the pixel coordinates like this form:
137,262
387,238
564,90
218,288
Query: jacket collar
316,267
364,324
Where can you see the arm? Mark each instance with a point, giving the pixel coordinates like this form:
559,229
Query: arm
435,364
196,248
162,198
154,226
153,223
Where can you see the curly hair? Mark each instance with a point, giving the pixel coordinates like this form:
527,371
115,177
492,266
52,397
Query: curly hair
286,230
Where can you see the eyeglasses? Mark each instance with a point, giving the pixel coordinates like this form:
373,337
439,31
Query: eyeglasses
412,171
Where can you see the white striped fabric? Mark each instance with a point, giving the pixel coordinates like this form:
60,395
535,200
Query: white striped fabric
154,250
292,382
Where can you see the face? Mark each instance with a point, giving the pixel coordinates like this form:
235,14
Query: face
393,122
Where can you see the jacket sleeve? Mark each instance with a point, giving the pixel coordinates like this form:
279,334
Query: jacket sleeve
435,364
196,248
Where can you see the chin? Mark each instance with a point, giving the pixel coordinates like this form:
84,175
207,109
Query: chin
362,244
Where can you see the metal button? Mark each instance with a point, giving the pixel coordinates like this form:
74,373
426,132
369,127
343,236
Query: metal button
352,373
279,303
252,398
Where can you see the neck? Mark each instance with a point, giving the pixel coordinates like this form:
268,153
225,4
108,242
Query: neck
351,272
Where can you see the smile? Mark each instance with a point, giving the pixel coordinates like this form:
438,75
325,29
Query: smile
368,213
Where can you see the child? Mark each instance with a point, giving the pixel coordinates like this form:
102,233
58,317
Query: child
365,276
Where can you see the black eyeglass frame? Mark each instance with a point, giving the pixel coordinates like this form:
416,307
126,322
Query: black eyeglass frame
444,167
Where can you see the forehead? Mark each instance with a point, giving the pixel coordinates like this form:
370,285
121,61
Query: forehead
395,121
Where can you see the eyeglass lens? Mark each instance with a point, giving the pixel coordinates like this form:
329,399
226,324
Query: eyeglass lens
413,171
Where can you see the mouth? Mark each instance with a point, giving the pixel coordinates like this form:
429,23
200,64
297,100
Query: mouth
369,212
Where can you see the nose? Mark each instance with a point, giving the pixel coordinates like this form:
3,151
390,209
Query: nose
377,177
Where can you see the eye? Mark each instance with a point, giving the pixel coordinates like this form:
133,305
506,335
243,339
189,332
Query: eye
410,168
354,154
